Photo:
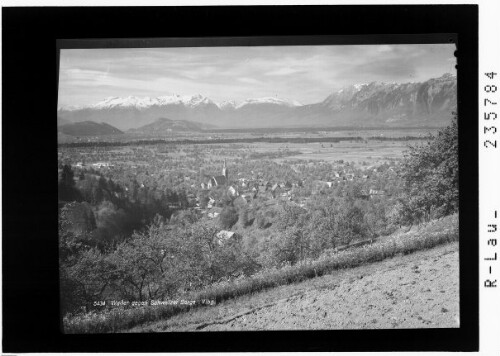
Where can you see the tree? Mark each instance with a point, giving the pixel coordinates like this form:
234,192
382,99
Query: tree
322,228
211,259
228,217
290,215
402,214
76,223
430,174
290,246
133,189
350,223
67,176
204,199
84,279
111,225
149,265
261,220
66,188
184,218
244,217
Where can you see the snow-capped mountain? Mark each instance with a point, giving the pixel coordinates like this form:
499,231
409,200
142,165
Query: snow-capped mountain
268,101
370,104
191,101
227,105
143,103
133,112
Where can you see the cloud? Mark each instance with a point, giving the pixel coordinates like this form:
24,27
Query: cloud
284,71
198,73
304,73
249,80
76,74
393,68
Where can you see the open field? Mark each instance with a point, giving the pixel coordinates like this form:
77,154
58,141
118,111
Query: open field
412,291
290,134
357,152
363,149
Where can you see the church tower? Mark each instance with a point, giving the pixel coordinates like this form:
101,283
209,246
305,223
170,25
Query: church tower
224,170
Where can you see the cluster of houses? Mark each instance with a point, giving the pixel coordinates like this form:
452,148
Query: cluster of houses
342,176
363,194
97,165
250,188
245,190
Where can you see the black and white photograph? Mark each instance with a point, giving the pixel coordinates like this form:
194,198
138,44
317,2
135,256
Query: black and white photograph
258,187
249,177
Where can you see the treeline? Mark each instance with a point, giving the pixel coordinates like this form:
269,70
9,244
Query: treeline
318,129
403,138
214,141
240,140
272,155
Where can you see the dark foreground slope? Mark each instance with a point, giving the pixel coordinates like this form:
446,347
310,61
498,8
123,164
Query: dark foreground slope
420,290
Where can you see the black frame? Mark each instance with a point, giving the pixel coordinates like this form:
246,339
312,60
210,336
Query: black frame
31,321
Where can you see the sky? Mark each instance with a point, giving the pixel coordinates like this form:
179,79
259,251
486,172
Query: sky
307,74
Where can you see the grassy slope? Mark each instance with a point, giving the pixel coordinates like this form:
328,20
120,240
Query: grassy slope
419,290
419,238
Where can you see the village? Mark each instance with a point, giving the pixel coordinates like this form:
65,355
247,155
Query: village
246,188
205,181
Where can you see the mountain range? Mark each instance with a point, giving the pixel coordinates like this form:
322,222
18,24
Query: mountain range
428,103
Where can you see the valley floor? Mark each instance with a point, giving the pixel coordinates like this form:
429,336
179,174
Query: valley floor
420,290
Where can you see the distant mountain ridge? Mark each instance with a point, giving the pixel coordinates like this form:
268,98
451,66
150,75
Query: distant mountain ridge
399,102
88,128
164,126
191,101
373,104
